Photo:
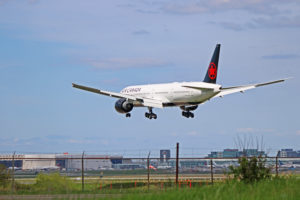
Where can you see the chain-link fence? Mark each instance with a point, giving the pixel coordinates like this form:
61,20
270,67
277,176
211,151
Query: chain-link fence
117,171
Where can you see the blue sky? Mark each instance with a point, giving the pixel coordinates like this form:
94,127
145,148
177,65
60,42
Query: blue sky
47,45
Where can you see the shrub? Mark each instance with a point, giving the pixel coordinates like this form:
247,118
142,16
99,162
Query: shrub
53,183
4,176
251,169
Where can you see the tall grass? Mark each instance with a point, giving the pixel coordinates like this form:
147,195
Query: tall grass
276,188
280,188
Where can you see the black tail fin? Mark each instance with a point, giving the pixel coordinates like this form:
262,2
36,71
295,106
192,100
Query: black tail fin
212,71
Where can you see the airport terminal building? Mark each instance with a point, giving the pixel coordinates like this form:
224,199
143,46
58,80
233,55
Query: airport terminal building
59,161
235,153
290,153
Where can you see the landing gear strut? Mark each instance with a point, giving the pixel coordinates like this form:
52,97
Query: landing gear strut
128,115
187,114
150,114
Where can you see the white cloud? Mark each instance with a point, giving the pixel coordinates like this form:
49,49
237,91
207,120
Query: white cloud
2,2
264,7
281,56
88,141
83,141
104,142
255,130
173,134
141,32
276,22
16,140
122,63
261,13
192,133
113,81
245,130
184,9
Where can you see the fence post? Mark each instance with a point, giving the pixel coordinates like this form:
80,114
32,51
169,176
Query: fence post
13,172
276,166
211,172
82,171
177,162
148,167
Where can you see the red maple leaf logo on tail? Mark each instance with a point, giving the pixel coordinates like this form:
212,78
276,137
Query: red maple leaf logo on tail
152,167
212,71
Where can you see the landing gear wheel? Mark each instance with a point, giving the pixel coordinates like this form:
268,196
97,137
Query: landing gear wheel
184,114
128,115
150,114
188,114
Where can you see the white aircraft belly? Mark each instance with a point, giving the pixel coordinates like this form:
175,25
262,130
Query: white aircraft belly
192,97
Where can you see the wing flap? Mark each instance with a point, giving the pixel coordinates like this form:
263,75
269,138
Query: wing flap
233,90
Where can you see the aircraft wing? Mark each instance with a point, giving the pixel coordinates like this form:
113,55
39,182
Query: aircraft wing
231,90
154,103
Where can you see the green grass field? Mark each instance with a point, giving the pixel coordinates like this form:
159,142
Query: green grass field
275,189
64,188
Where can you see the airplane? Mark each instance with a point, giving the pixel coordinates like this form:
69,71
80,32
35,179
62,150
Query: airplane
223,165
164,167
47,168
185,95
15,168
289,165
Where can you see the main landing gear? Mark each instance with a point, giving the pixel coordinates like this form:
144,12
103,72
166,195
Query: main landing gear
187,114
150,114
187,110
128,115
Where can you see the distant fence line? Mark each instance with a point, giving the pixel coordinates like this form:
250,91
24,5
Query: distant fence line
141,169
20,157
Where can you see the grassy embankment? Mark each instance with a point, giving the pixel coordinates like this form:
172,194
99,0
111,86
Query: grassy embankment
277,188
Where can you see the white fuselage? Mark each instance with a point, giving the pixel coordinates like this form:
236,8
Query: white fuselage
175,94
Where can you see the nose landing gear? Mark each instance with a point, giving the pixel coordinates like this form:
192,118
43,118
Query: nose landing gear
128,115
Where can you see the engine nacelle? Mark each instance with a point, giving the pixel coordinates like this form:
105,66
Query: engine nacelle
189,108
123,106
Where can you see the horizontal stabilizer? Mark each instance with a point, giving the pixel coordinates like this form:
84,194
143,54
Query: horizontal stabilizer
242,88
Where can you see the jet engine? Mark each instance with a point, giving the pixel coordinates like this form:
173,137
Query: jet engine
123,106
